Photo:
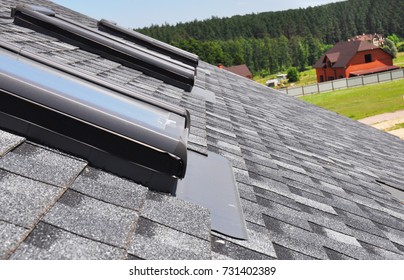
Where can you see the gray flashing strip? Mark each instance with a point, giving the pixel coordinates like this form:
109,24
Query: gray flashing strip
150,43
210,183
396,192
92,119
169,72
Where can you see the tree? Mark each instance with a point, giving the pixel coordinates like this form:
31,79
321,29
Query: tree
315,49
394,38
284,59
273,51
390,47
299,53
293,75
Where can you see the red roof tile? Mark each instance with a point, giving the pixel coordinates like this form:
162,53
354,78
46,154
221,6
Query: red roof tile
241,70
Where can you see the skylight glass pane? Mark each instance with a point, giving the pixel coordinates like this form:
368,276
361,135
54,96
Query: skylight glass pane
116,106
42,10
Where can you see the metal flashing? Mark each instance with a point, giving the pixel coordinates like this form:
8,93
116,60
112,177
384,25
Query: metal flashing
110,130
149,43
168,71
210,183
394,191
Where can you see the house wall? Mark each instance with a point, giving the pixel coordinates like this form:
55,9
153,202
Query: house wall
379,59
329,73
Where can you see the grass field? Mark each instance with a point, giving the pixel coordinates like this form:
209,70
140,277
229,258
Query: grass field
361,102
399,60
306,78
397,126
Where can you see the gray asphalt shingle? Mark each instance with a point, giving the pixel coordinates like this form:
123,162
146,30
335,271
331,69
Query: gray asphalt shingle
23,201
109,188
10,236
155,241
177,214
92,218
47,242
41,164
258,241
224,249
8,142
287,254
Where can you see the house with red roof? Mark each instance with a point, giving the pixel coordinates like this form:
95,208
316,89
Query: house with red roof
352,58
241,70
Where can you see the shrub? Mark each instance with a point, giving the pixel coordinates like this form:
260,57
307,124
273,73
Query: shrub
293,75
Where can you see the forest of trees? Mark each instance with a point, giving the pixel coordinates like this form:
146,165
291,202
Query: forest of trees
274,41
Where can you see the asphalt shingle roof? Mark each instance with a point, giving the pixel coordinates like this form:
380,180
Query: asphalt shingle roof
310,181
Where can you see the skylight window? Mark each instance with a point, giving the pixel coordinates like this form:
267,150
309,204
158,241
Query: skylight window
112,131
165,69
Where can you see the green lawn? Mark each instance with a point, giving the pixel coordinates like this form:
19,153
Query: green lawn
361,102
399,60
397,126
306,78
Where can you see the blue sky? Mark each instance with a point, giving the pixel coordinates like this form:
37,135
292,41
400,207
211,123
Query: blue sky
141,13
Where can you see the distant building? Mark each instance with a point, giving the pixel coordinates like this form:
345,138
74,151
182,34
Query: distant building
352,58
272,83
241,70
282,77
375,39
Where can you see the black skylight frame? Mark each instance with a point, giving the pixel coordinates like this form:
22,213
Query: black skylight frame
149,43
172,73
122,41
67,113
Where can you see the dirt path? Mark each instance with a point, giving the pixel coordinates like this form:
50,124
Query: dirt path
387,121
